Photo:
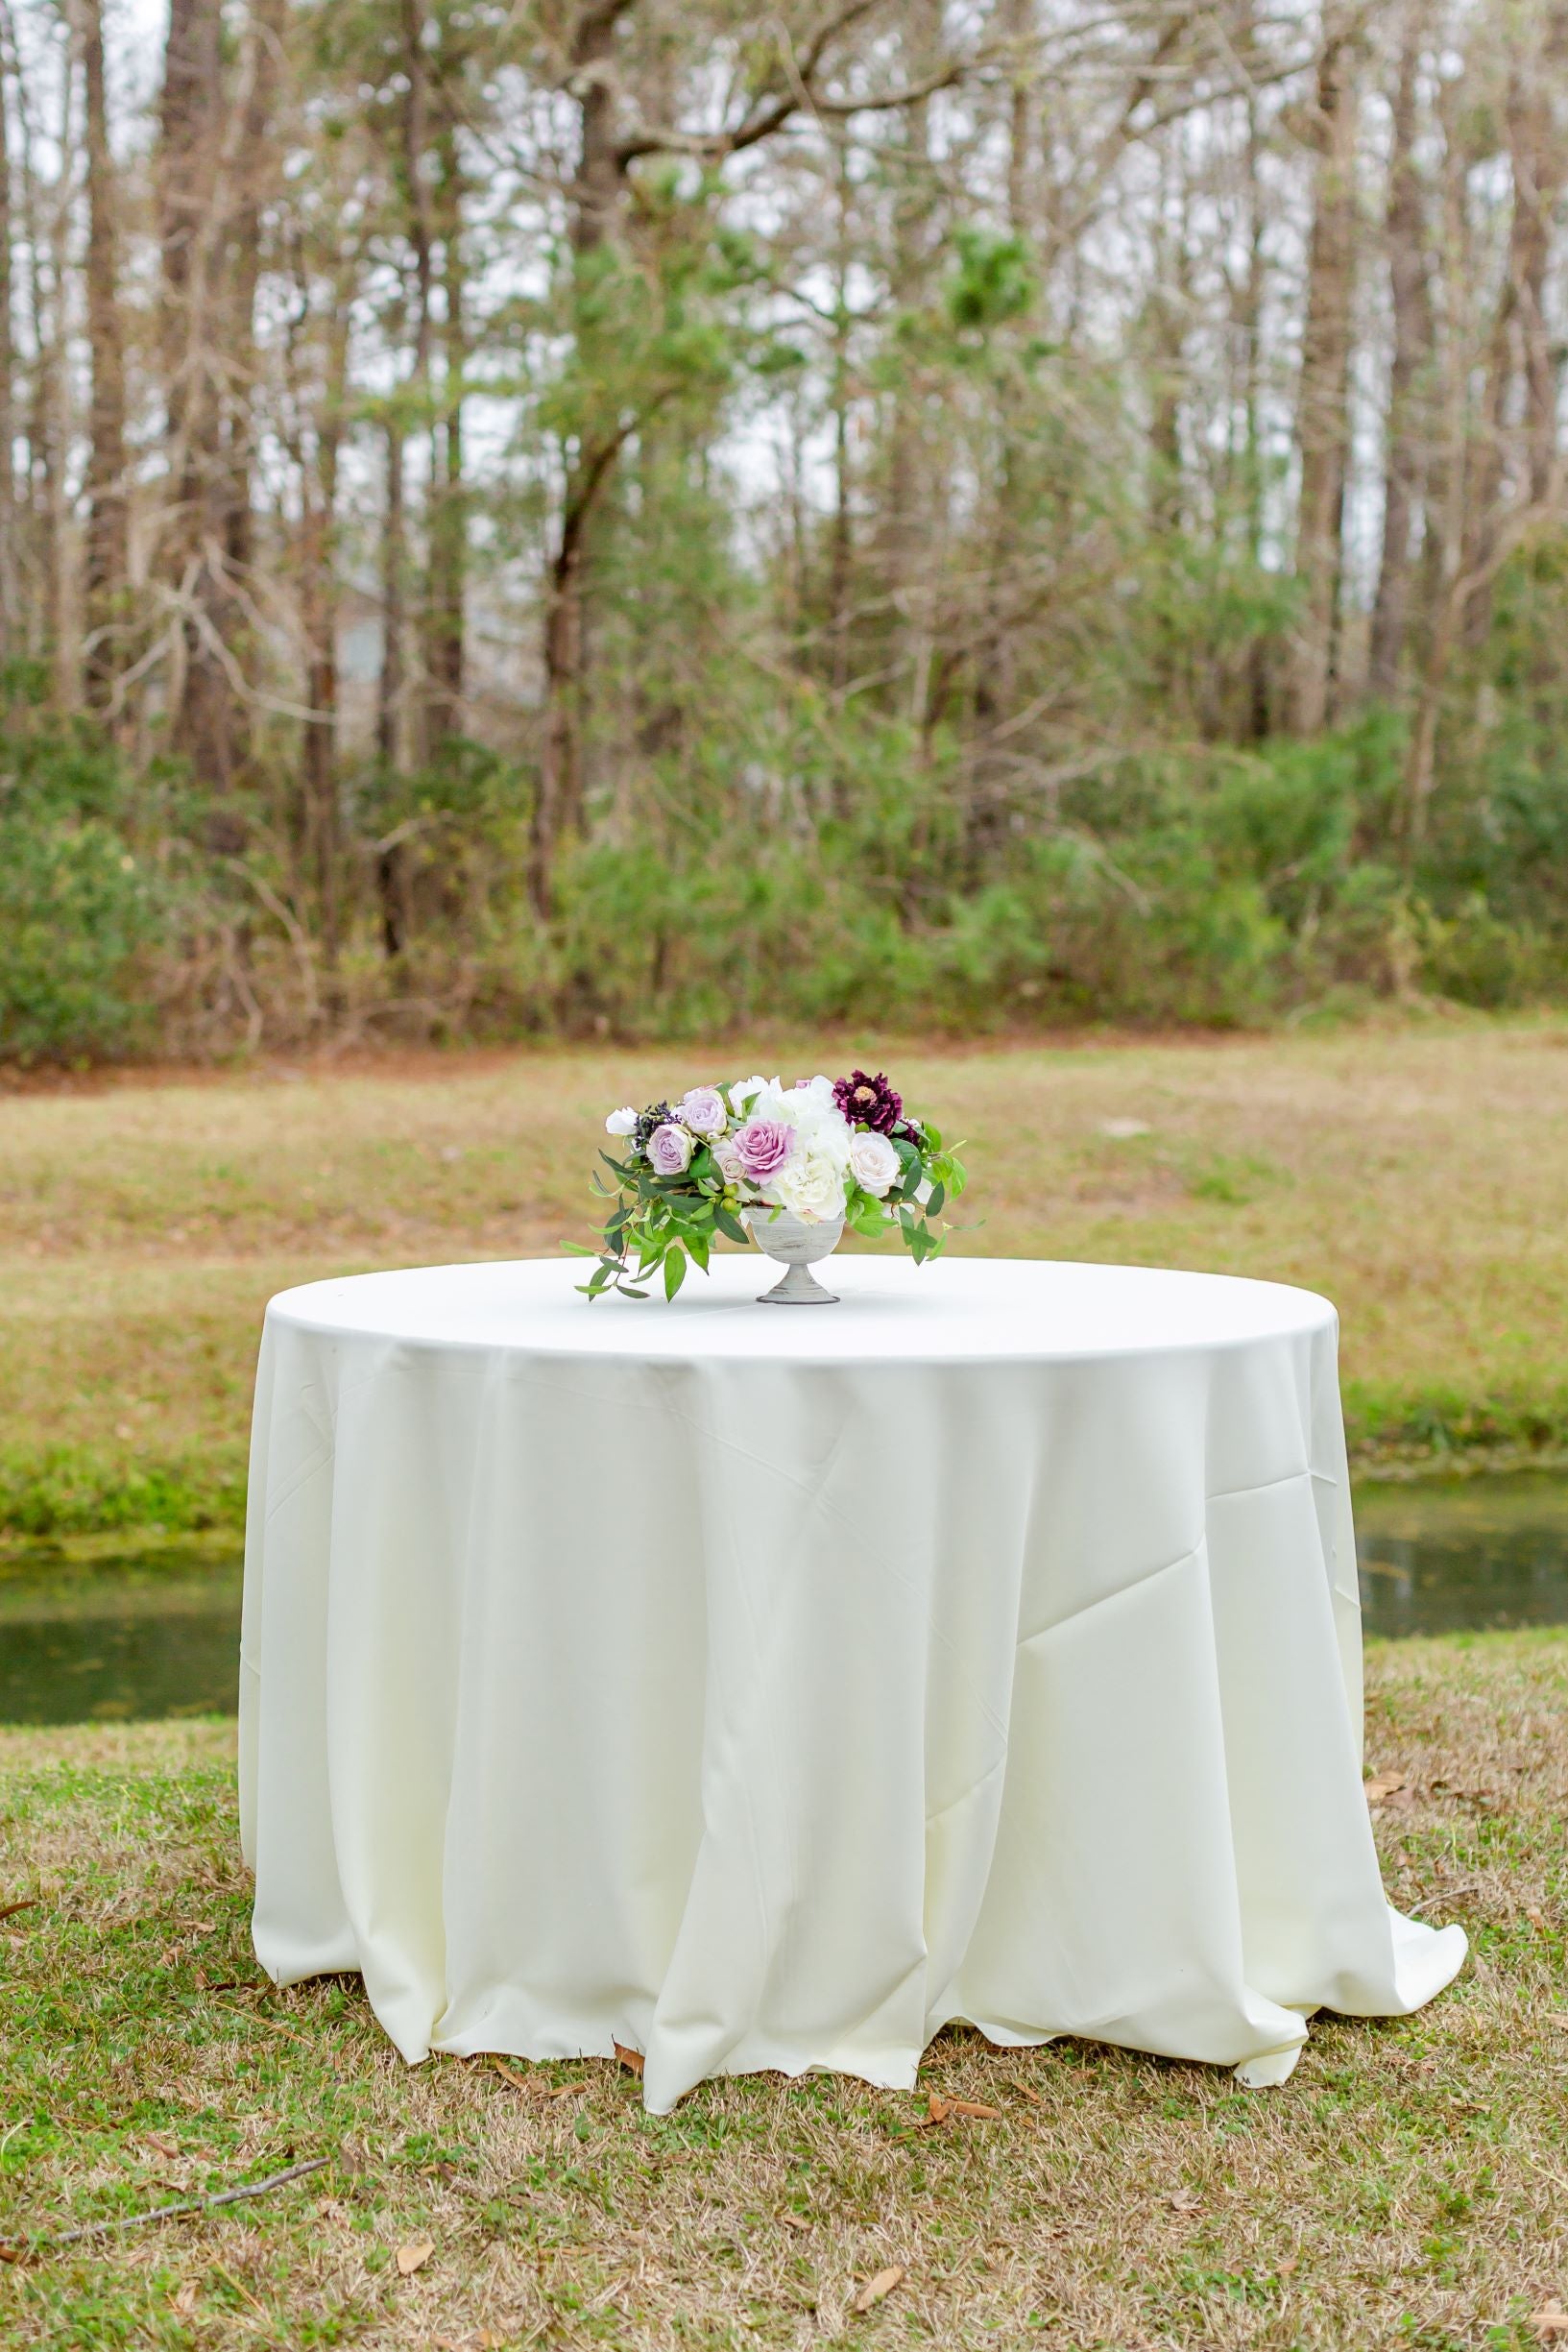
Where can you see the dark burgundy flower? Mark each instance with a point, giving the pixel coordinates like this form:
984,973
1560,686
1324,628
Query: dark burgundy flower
869,1101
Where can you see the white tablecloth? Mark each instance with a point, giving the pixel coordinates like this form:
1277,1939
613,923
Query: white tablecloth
764,1687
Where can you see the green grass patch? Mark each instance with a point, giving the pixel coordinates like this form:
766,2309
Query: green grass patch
71,1491
1405,2188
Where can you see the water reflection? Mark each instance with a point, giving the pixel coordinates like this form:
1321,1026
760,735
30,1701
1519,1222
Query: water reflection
1463,1555
156,1634
112,1637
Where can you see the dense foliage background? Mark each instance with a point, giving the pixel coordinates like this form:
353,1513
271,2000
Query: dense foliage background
604,516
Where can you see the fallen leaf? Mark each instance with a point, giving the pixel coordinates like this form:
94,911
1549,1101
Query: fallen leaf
510,2074
1535,1915
1550,2320
977,2109
1033,2097
874,2289
161,2147
794,2220
1384,1785
1283,2269
1186,2200
184,2302
199,1927
333,2209
937,2110
411,2257
28,1903
630,2059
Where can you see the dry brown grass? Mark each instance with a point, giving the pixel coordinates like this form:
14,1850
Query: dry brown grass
1408,2188
1418,1177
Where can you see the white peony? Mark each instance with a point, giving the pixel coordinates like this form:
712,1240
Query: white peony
745,1091
873,1164
811,1109
810,1185
621,1122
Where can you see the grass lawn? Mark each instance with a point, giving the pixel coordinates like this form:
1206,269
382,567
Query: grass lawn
1418,1176
1408,2188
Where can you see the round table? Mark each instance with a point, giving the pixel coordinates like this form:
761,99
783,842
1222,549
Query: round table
765,1690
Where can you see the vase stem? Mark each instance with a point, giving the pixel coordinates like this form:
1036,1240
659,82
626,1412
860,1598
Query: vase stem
800,1288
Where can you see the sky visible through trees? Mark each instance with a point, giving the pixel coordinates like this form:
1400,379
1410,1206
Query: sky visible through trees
615,515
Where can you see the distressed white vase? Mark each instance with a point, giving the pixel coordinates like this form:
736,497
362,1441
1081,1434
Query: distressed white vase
797,1246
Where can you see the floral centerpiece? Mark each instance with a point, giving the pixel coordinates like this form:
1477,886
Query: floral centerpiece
797,1164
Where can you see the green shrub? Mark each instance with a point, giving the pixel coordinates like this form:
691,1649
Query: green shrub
78,909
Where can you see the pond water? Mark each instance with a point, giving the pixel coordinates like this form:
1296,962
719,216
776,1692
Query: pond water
116,1637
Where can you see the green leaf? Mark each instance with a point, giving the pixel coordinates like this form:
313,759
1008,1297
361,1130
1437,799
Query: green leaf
940,1194
674,1269
730,1225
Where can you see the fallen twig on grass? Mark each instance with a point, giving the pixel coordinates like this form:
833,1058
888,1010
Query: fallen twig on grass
166,2213
9,1910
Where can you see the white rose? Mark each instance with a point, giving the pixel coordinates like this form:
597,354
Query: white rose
728,1160
745,1091
873,1164
810,1186
621,1122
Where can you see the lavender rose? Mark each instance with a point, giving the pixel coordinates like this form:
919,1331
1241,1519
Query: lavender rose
669,1149
762,1148
702,1109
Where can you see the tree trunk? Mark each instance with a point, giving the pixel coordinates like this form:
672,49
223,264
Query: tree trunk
106,579
9,637
906,518
264,66
388,685
1521,346
1322,415
445,631
560,802
1446,491
842,545
208,720
51,426
598,192
320,599
1405,430
389,865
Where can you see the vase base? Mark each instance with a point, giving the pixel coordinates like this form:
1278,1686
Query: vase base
800,1288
